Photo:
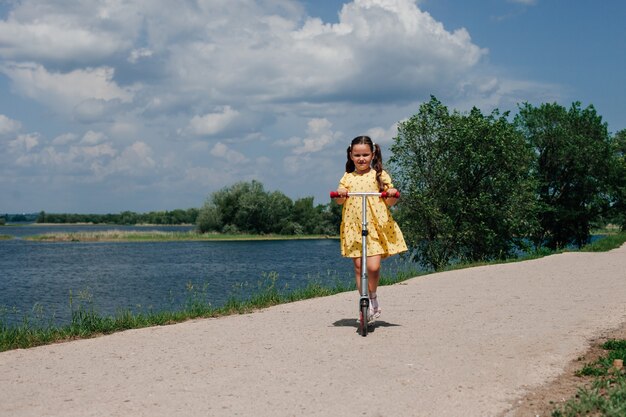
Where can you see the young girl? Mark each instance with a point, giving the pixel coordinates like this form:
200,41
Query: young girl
364,172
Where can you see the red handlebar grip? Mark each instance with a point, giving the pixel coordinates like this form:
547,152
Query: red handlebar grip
385,195
334,194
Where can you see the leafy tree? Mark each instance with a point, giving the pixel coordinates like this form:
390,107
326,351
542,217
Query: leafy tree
209,218
572,167
466,190
246,207
617,206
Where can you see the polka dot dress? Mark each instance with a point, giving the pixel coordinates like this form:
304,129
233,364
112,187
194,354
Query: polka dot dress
384,236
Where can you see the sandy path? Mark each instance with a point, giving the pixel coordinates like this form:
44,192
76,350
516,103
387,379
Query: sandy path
460,343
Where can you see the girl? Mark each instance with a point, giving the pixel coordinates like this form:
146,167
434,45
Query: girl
364,172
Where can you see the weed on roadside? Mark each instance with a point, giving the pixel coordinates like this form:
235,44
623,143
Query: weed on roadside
606,395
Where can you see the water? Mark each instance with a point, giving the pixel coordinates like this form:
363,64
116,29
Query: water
36,278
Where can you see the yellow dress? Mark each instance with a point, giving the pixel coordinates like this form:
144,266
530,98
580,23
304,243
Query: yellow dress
384,236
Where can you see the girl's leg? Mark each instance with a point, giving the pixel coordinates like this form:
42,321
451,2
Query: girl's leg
357,273
373,273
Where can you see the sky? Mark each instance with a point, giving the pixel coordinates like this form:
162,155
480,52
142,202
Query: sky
150,105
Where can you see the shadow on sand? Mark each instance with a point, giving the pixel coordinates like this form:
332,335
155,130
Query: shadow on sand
353,323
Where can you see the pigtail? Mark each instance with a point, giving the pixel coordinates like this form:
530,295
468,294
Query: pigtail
350,163
377,164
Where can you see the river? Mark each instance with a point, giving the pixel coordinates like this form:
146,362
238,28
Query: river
37,278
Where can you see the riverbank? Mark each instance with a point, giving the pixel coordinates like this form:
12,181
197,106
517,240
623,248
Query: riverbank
86,322
466,342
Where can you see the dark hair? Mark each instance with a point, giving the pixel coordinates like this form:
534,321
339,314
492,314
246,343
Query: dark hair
377,161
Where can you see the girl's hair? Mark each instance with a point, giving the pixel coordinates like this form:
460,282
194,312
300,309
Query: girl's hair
377,161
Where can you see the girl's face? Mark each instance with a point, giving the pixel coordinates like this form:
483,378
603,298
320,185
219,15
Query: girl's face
362,156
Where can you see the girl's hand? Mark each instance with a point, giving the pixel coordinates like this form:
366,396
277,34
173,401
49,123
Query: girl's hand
392,192
343,193
390,201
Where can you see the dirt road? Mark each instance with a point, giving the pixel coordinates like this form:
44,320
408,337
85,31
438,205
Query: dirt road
461,343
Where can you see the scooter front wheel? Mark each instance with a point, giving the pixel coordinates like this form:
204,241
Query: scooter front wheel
364,323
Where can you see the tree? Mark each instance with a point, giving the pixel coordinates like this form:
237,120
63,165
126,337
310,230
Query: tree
245,207
466,190
572,167
617,206
209,218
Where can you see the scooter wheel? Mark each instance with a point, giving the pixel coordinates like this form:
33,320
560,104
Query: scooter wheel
364,323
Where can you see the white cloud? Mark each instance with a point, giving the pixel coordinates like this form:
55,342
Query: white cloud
65,139
93,138
319,136
67,90
213,123
62,31
137,54
24,143
383,136
222,151
524,2
8,125
49,42
129,80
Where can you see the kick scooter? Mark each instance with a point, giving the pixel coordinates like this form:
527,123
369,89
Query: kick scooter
364,300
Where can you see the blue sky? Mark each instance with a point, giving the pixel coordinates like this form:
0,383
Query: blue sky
108,106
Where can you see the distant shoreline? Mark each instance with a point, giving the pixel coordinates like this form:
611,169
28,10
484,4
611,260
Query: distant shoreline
160,236
98,224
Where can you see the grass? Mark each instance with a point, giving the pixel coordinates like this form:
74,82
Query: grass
606,395
157,236
5,237
86,322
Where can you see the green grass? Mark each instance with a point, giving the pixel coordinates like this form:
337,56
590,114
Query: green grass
157,236
610,241
5,237
606,395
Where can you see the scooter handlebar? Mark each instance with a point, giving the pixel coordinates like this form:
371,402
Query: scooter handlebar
384,194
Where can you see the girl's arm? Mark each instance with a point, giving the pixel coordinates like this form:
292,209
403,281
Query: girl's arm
391,190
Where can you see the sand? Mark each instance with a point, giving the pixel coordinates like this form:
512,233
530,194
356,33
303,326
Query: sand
471,342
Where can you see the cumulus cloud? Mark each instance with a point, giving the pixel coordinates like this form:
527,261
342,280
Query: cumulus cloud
24,143
65,90
93,138
130,81
319,136
62,31
64,139
8,125
222,151
137,54
212,123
